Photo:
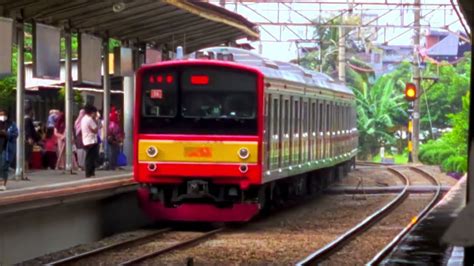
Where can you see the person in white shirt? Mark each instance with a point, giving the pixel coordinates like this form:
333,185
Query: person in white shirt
89,131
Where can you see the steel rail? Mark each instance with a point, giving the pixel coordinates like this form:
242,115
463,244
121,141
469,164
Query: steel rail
377,259
107,248
172,248
364,163
330,248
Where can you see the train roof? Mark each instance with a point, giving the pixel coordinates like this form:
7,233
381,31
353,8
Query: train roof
274,69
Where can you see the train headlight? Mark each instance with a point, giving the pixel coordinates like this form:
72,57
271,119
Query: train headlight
152,151
243,168
243,153
152,167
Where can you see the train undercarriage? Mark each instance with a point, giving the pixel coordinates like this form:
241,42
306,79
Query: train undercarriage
204,200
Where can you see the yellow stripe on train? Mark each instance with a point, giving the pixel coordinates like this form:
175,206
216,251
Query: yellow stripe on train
196,151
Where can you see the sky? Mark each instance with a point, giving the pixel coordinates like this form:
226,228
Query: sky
277,42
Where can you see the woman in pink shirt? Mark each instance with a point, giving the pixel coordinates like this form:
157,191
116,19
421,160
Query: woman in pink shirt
50,148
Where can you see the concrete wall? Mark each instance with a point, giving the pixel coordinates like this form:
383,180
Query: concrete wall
31,233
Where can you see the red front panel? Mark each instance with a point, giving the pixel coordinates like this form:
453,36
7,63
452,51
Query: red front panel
176,172
239,212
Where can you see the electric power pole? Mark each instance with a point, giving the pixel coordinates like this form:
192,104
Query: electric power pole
417,81
342,55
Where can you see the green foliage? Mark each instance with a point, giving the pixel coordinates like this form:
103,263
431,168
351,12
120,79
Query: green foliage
74,45
450,151
76,94
8,84
7,92
376,107
444,96
381,107
325,60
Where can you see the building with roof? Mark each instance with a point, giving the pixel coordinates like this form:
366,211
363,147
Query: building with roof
445,46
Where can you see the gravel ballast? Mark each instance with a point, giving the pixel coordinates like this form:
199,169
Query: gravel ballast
289,235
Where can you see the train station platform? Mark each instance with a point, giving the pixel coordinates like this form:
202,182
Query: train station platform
47,187
423,245
54,211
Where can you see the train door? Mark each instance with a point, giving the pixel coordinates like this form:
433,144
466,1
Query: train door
295,142
285,143
313,130
267,134
328,136
343,128
304,157
322,130
346,128
275,132
337,124
316,128
333,121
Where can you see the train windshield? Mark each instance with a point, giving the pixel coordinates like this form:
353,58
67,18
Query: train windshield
203,100
217,94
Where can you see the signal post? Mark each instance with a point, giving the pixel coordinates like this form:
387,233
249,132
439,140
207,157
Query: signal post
411,96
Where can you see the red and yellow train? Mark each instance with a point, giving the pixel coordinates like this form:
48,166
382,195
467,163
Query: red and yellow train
220,138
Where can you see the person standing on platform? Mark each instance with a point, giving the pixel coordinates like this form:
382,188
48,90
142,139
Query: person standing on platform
31,137
53,116
78,139
51,149
89,129
8,135
114,138
59,129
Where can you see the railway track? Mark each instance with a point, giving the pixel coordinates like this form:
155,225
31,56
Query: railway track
174,247
344,239
136,243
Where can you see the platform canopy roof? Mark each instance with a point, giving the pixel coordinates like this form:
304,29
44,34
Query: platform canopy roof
192,24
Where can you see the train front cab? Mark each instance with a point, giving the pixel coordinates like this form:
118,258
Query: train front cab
198,140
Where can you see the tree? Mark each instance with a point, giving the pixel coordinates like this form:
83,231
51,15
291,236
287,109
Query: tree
376,107
326,58
450,151
443,96
377,102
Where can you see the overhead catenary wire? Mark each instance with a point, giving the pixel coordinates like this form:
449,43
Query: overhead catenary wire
460,19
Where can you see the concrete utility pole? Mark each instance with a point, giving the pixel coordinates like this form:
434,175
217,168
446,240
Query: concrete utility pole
128,104
68,101
417,80
20,103
106,86
342,55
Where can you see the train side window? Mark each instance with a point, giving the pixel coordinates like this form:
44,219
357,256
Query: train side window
268,133
305,117
268,114
286,114
344,115
275,116
296,116
347,117
313,117
341,123
340,115
328,113
321,118
337,116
